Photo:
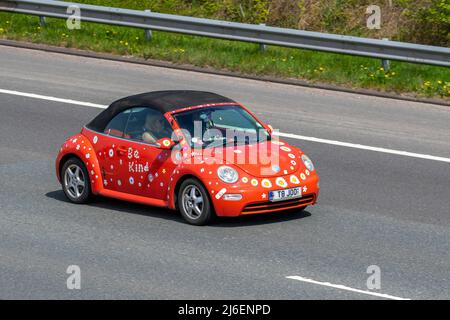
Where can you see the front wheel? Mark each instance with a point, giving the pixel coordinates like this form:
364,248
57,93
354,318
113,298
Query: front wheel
75,181
194,203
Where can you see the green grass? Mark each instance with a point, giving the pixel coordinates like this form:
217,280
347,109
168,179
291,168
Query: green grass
315,67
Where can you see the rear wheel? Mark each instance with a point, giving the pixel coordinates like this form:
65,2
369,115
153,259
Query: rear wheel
75,181
194,203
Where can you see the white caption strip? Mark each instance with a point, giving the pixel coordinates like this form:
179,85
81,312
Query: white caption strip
342,287
287,135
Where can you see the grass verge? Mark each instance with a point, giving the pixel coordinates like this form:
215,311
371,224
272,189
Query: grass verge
245,58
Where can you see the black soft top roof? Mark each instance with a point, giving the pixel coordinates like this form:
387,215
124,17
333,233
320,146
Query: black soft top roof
164,101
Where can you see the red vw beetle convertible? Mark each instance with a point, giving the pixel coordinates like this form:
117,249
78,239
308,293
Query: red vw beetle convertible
197,152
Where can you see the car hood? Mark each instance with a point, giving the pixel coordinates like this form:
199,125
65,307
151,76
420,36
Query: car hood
259,160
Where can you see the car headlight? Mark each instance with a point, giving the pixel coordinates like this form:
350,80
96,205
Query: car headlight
307,162
227,174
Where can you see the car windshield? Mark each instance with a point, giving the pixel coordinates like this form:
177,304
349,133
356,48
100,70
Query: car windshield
220,126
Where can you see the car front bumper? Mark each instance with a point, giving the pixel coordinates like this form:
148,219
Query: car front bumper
255,200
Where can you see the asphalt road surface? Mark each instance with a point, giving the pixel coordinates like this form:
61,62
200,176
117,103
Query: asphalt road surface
375,208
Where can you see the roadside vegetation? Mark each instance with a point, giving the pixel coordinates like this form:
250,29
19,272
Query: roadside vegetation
407,20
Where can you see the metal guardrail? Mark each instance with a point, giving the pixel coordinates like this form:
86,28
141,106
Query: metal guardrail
261,34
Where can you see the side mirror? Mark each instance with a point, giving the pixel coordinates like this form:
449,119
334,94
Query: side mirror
165,143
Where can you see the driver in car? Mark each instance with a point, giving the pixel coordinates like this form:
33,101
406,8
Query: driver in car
155,127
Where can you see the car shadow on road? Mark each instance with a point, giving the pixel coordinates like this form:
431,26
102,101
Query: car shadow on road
260,219
122,206
163,213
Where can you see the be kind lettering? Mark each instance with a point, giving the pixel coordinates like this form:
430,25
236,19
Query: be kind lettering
133,153
135,167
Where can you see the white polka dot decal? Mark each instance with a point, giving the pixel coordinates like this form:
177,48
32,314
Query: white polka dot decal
302,176
294,179
131,180
284,148
111,153
281,182
166,143
95,140
266,183
254,182
244,179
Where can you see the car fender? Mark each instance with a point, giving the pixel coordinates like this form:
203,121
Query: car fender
79,146
179,173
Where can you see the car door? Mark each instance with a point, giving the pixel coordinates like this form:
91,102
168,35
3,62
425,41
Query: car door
143,167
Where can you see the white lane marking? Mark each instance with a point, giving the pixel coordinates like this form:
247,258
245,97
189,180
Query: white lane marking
364,147
287,135
342,287
48,98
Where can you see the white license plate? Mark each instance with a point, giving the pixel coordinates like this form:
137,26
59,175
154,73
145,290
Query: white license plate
285,194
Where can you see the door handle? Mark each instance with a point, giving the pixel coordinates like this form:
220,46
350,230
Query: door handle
121,151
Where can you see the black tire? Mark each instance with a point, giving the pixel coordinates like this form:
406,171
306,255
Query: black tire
77,190
191,214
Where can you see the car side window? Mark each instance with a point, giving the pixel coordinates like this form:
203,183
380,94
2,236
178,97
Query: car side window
148,125
116,127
